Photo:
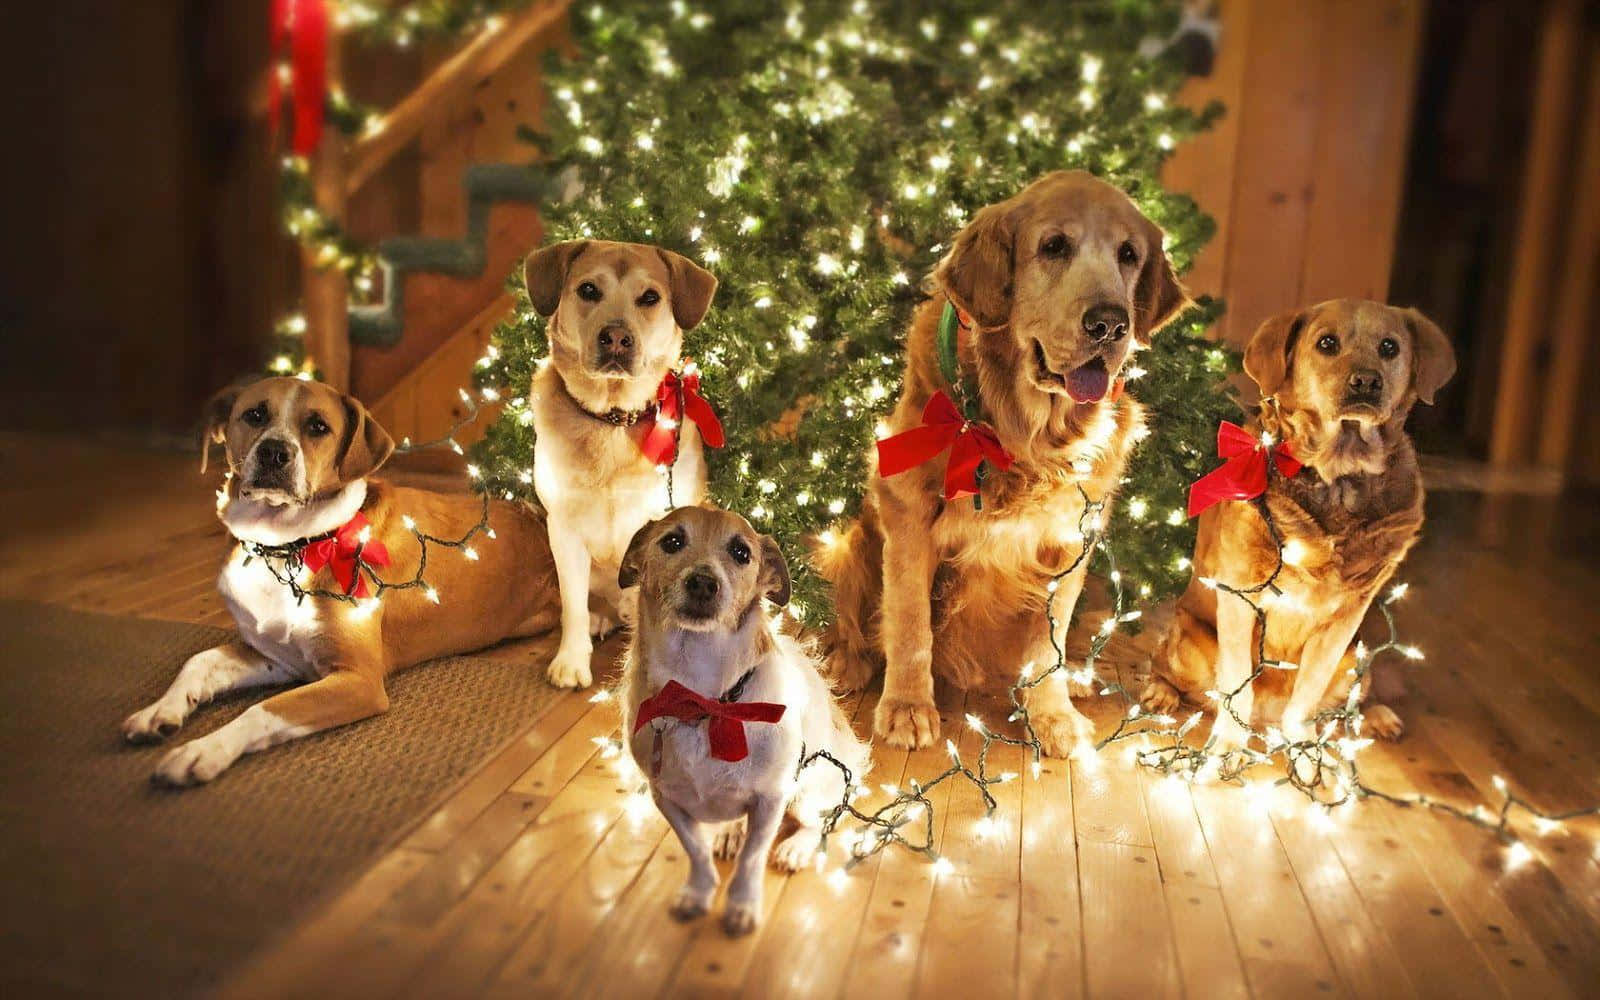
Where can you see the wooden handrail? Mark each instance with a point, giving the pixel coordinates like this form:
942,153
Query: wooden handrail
491,49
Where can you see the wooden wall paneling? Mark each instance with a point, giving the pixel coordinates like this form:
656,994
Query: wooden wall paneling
1534,260
1368,81
1277,140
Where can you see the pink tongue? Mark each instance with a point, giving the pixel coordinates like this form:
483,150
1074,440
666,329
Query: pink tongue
1087,383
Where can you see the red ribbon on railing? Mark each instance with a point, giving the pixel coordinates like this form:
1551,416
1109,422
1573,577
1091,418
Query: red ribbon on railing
726,730
1244,475
944,429
302,26
678,398
340,552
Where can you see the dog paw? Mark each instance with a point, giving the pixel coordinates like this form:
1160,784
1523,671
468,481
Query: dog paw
194,763
570,669
1227,735
1160,697
1061,734
690,903
729,840
797,850
847,672
152,724
1383,722
908,725
740,918
600,625
1080,687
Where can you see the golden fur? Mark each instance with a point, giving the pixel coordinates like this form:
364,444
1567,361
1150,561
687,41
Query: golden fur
924,587
1347,520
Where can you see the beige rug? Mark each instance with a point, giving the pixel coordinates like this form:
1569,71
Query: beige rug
114,887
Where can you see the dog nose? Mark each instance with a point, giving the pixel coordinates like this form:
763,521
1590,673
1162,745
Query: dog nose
1105,322
272,453
615,342
701,586
1365,382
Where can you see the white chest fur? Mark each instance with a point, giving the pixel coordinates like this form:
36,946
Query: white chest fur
269,618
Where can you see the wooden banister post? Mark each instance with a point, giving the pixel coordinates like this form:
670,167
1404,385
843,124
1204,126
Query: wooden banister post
324,291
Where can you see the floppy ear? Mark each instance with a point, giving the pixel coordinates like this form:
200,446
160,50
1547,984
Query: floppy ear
633,559
1158,296
976,273
1434,359
692,288
218,409
366,445
1266,357
774,577
545,273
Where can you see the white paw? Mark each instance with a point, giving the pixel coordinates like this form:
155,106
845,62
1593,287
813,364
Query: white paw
729,840
152,724
570,669
195,763
690,903
1383,722
905,723
797,850
1062,733
741,917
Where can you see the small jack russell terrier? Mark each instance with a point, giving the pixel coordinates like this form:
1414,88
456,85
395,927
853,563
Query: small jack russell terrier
721,707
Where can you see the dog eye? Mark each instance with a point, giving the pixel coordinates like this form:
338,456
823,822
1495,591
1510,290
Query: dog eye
1388,347
740,551
316,426
672,543
650,297
1328,344
1127,253
589,292
1055,246
256,415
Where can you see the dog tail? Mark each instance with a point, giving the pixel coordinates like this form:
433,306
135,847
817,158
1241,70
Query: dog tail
850,558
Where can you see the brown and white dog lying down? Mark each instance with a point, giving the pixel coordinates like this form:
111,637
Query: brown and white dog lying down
1337,380
617,315
703,575
1061,283
299,457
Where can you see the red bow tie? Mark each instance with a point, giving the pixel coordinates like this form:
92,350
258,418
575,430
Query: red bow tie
341,552
727,717
1244,475
676,398
943,428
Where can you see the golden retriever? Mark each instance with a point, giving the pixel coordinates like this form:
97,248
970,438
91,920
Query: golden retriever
1061,283
1338,380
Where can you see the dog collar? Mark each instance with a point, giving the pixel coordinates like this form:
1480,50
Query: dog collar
727,714
346,549
616,416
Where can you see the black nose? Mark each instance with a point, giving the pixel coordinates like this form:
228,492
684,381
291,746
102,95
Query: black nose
701,586
1105,323
615,343
1365,382
272,453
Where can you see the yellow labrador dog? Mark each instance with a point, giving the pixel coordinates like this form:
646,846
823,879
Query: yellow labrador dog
703,637
1338,381
1056,287
617,315
300,458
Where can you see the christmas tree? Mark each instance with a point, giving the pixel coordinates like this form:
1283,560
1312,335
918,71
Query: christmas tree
819,159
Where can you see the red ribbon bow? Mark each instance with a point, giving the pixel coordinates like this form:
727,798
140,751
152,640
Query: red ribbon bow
727,717
1244,475
340,553
944,428
676,398
303,25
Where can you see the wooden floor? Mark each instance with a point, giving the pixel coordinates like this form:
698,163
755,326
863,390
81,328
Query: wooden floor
533,878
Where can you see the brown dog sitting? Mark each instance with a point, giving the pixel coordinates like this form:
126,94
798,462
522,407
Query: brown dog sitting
299,458
1337,381
1058,286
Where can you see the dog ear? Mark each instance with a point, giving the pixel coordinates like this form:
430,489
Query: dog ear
1266,357
218,409
692,289
633,559
1434,358
1158,296
976,273
366,444
545,273
774,578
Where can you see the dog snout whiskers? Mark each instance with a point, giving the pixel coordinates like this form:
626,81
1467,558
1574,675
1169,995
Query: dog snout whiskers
1105,323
